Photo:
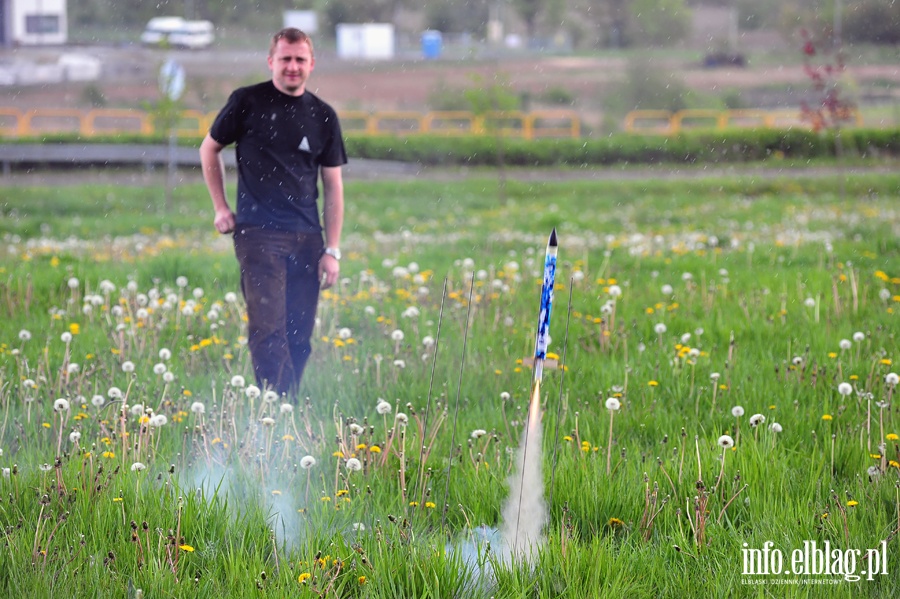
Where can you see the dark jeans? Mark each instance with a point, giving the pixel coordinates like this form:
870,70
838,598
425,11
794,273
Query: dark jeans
279,279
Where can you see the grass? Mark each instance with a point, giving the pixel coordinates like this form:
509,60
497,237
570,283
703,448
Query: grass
772,292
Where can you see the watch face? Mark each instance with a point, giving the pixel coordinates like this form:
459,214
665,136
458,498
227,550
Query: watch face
334,252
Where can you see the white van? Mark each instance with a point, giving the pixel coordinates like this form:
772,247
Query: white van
178,33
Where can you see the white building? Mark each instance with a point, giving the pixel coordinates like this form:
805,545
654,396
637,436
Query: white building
33,22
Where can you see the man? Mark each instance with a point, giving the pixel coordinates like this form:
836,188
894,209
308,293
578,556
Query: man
286,138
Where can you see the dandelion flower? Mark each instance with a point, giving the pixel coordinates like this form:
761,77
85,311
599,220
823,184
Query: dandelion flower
383,407
859,336
344,333
613,404
667,289
138,466
270,396
757,419
307,462
74,437
303,577
137,409
504,396
187,548
714,376
726,442
198,408
160,368
158,420
24,335
168,376
614,291
66,337
252,391
61,405
478,433
237,381
97,401
737,411
775,427
73,283
354,465
286,408
397,335
114,393
892,378
401,418
165,354
845,344
660,328
267,421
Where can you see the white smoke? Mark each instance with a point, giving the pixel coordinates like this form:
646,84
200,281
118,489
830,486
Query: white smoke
525,511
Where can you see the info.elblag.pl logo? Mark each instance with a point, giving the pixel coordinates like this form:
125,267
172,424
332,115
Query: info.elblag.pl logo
814,559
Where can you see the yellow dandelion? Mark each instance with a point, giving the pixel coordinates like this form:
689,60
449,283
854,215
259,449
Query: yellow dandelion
825,516
886,361
187,393
361,580
187,548
46,425
653,383
875,456
109,454
326,498
894,464
276,492
430,505
375,449
615,523
342,492
117,499
567,438
413,504
854,377
361,447
338,454
832,355
287,438
303,577
826,417
852,503
74,328
891,437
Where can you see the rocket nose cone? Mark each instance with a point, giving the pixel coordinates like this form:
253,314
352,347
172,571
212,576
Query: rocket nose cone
552,241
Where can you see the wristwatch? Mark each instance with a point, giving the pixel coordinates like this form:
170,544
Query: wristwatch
334,253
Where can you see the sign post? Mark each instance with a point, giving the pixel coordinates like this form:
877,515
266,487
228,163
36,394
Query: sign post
171,84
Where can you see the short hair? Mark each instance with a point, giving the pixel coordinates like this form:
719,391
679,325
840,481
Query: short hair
291,35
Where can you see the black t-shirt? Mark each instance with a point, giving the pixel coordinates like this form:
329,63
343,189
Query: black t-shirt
281,142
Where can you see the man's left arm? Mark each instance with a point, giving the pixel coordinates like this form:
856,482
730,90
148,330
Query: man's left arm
333,217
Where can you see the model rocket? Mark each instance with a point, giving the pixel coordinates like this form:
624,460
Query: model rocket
542,339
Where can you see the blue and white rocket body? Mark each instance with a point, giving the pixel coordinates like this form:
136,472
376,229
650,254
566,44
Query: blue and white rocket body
543,331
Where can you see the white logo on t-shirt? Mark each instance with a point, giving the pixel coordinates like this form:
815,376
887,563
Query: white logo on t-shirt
304,145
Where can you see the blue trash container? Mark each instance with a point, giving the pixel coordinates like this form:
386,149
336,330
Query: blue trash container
431,44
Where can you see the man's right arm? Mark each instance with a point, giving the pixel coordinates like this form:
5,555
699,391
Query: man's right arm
214,174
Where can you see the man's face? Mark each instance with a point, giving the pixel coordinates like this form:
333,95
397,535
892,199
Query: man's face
291,65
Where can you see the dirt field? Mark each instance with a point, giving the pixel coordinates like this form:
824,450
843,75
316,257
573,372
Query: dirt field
130,78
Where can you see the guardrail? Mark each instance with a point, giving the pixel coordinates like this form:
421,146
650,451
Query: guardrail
105,121
668,122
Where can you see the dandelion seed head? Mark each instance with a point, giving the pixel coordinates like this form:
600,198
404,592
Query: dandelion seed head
892,378
667,289
859,336
401,419
158,420
845,344
845,389
181,281
400,363
61,405
198,407
775,427
478,433
614,291
73,283
24,335
344,333
128,366
137,409
809,302
74,437
97,401
356,429
354,465
252,391
138,467
660,328
270,396
726,442
267,420
383,407
410,312
737,411
168,376
613,404
160,368
66,337
757,419
397,335
307,462
72,368
286,408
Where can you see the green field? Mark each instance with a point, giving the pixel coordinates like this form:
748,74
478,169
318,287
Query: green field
163,474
